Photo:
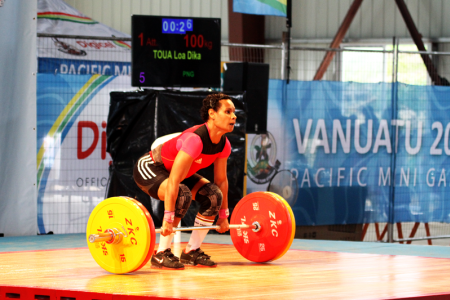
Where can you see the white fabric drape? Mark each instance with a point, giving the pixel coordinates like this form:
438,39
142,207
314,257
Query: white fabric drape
18,117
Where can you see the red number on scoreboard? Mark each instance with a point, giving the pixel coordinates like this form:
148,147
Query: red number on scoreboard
141,36
186,37
196,41
193,40
200,41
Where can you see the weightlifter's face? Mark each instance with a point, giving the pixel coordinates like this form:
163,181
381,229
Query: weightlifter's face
224,118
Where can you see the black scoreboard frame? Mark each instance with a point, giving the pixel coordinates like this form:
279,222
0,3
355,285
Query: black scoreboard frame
175,58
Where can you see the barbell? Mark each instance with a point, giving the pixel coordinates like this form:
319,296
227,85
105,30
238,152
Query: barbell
121,234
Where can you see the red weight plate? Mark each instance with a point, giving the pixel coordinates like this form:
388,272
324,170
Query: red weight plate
151,225
270,242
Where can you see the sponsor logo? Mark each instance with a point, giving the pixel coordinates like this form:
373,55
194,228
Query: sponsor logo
262,161
273,223
96,45
199,161
67,48
159,260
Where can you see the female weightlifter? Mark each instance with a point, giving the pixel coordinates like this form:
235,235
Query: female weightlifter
168,173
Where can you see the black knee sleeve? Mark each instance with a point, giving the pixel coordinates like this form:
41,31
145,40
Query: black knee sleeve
184,200
209,197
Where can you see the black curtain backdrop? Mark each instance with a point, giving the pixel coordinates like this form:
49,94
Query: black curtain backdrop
136,119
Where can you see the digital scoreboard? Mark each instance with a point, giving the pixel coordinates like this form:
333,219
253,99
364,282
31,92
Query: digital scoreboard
175,51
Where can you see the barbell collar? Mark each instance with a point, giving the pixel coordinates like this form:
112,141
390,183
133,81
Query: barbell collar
101,237
256,226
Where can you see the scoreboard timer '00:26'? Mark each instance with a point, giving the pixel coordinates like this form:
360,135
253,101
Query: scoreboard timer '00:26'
165,50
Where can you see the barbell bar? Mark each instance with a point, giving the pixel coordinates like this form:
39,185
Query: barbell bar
121,233
113,236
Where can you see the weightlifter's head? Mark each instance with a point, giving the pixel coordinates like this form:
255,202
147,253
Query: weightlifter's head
218,109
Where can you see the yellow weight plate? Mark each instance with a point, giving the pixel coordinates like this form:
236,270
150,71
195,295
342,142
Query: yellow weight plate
123,214
289,209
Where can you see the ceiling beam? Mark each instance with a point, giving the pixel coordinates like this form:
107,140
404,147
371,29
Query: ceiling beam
417,38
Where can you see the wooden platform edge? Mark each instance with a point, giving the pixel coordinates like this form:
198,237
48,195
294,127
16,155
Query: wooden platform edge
26,292
43,250
440,296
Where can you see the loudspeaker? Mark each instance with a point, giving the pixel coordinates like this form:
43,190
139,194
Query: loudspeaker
253,78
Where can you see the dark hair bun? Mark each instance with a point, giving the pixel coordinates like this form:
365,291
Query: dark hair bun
212,101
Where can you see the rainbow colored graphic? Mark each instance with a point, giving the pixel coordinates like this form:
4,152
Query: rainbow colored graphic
72,109
122,44
65,17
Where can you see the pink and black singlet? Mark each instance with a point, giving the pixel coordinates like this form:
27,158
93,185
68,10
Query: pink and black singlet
197,143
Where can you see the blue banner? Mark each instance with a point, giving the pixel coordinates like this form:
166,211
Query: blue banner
72,163
260,7
82,67
355,151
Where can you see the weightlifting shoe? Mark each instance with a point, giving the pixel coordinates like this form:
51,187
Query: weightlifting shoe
166,260
197,258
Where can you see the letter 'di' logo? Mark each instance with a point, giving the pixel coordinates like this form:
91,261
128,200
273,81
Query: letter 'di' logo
83,128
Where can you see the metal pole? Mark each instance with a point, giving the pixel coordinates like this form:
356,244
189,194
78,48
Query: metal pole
283,57
423,238
288,63
393,156
288,25
155,122
84,37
